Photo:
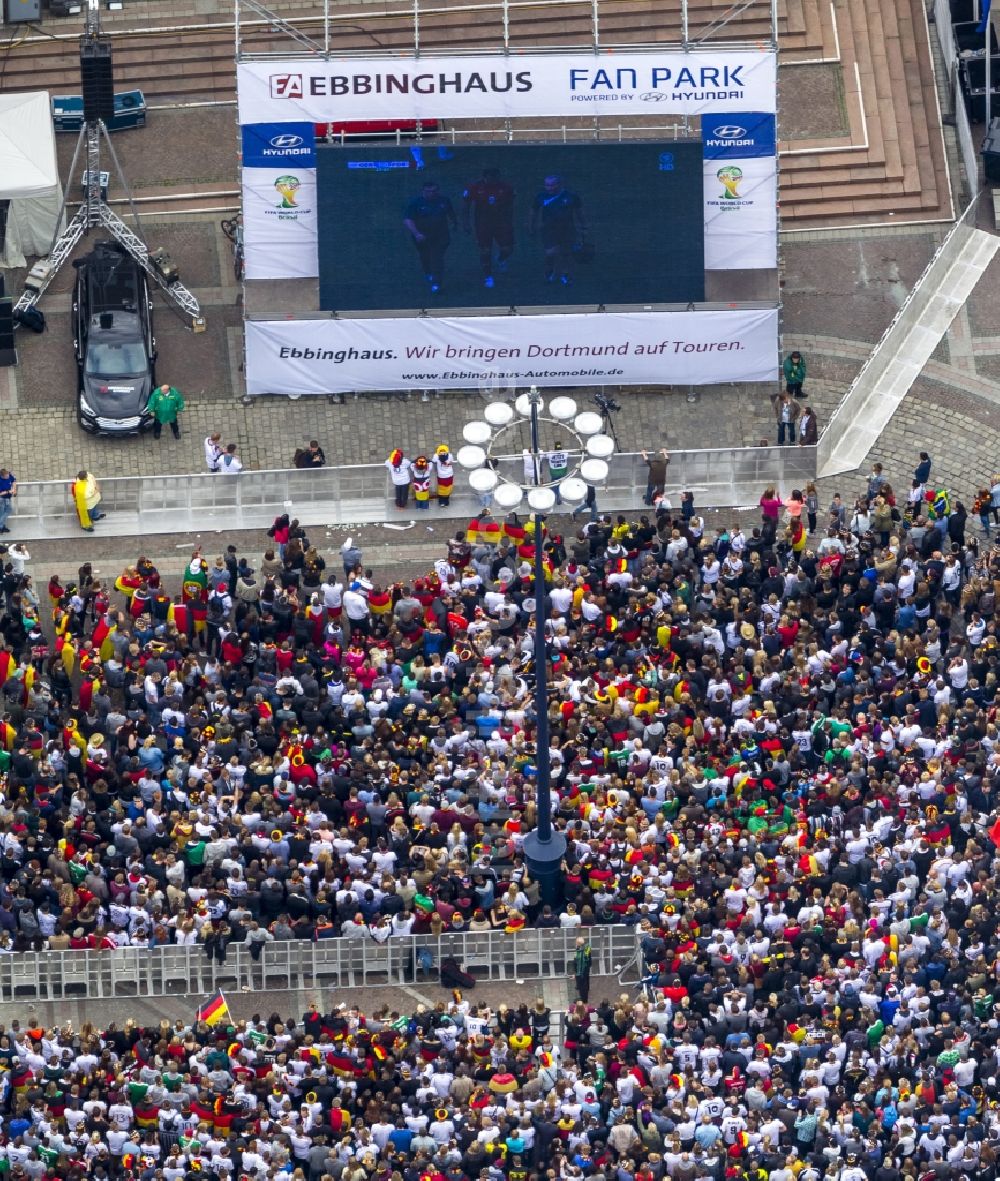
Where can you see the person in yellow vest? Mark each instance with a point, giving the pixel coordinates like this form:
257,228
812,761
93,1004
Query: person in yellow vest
67,653
86,497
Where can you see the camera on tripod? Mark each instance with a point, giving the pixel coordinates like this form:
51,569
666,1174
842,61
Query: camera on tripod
608,405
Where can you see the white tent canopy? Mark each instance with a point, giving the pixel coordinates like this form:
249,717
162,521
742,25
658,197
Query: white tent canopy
29,176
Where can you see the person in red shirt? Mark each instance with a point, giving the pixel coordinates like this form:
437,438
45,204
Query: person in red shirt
488,210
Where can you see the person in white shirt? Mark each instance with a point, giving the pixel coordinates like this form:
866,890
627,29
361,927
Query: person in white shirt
561,598
229,462
213,451
357,610
17,555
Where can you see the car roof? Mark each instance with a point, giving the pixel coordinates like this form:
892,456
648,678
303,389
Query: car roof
113,277
126,328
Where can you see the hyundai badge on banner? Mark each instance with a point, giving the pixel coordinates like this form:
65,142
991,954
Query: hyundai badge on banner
740,191
279,200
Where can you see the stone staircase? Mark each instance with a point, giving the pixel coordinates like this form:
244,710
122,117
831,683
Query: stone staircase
889,167
893,169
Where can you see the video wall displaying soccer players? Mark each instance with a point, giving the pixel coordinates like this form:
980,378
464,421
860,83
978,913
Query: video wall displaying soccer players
494,225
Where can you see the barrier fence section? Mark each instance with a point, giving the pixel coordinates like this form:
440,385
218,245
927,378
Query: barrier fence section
300,964
138,505
966,145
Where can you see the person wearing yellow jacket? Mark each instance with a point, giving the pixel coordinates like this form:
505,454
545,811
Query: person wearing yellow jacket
86,497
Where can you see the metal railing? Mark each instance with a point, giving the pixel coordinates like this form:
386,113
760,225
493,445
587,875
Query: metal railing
946,36
140,505
966,145
301,964
700,31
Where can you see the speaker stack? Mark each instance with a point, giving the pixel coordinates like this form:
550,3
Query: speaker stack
8,354
97,79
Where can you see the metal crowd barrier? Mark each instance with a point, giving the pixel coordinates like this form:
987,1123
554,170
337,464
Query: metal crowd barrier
730,477
299,964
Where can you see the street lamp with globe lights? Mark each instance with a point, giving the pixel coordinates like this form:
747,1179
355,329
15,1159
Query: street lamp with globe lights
544,846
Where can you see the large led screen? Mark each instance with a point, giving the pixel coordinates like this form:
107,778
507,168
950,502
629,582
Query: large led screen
522,225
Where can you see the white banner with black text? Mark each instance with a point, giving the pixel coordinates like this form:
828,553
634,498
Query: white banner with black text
628,348
663,83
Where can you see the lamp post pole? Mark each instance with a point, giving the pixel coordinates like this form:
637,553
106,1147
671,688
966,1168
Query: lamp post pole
543,847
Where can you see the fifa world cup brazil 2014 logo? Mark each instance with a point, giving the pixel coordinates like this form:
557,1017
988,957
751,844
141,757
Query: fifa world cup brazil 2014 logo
287,186
730,176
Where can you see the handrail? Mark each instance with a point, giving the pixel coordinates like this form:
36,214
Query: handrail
348,467
874,354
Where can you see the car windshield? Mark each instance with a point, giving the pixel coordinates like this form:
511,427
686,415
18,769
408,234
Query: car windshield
116,360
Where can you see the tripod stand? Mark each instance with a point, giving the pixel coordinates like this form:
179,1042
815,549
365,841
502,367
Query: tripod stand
95,213
608,426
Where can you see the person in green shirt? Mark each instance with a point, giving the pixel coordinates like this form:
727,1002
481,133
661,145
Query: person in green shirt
581,969
794,369
165,404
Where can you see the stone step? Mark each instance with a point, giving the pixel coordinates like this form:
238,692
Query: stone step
809,34
846,211
872,190
868,38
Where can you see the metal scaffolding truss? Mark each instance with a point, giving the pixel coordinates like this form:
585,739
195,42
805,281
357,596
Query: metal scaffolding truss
95,213
332,18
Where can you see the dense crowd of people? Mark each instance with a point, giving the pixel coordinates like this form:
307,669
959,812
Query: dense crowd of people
774,753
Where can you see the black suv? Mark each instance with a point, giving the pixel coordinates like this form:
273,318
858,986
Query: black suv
113,341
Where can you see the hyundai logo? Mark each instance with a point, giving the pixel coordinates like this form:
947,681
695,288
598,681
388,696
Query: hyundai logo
653,96
727,132
286,141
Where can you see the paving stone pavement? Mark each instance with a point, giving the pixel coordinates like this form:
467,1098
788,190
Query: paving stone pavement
45,443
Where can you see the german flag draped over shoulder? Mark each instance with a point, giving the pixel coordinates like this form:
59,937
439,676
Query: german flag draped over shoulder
214,1010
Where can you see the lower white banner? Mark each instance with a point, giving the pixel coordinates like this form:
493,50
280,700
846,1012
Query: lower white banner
279,222
621,348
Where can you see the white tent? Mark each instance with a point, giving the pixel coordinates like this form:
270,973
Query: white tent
29,176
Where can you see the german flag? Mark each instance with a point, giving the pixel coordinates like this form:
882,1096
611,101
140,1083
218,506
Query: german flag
214,1010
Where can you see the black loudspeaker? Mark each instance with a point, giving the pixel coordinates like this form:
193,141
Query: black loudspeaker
8,354
97,81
